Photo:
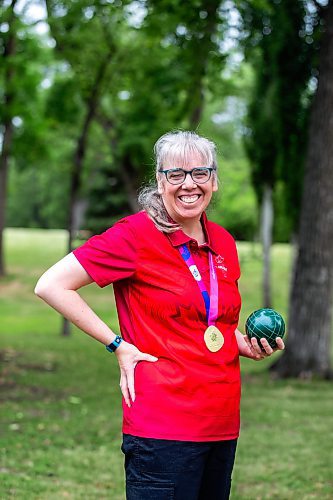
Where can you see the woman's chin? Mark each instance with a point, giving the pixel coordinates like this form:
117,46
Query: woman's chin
188,213
197,207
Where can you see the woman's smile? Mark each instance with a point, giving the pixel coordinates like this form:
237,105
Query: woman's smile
189,199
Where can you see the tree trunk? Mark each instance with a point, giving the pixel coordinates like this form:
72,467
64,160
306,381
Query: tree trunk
266,238
127,171
7,126
310,326
129,178
92,103
4,159
200,58
76,205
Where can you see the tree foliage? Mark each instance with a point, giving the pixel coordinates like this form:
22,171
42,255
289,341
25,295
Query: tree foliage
282,40
164,70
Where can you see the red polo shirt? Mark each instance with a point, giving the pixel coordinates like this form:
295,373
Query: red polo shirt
190,393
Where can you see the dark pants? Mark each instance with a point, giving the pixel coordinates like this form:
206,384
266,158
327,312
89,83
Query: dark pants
160,469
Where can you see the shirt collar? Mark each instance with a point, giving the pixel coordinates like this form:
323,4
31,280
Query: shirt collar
178,237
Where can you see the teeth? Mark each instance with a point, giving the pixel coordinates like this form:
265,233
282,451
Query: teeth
189,199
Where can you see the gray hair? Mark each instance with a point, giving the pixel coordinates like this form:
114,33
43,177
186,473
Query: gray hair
176,148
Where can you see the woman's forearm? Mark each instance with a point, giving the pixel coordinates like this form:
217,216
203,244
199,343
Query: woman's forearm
58,287
71,305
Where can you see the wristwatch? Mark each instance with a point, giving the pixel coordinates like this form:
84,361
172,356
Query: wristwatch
114,345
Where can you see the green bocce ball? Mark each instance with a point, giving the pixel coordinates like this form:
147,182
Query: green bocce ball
265,323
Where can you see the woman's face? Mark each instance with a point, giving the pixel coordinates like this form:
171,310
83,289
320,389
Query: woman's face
186,201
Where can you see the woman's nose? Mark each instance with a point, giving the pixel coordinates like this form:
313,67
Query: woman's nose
188,181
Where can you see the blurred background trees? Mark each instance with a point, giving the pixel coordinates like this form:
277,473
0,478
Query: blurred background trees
87,86
166,67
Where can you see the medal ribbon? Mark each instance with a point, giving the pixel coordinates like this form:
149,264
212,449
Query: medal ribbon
212,300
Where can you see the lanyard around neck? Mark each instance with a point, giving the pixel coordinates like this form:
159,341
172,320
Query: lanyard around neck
211,300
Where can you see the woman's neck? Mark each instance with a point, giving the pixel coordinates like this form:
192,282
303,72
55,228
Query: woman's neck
194,230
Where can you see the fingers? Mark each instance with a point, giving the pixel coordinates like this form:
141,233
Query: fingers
280,344
130,384
124,388
256,349
127,363
266,347
268,350
147,357
127,385
262,349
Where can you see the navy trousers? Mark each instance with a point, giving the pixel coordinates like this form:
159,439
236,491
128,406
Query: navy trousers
161,469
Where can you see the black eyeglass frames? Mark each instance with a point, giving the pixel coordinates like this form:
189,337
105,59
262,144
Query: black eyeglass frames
199,175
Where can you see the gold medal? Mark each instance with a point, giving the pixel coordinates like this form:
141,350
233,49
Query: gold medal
213,338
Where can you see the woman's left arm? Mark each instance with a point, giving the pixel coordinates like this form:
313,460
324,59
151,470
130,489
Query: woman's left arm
249,348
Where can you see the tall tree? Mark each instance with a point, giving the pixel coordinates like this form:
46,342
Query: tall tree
7,126
310,324
84,40
21,73
277,47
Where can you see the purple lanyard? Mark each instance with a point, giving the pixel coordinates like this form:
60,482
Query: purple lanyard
212,301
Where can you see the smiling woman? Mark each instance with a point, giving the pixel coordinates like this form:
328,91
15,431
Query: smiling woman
175,278
184,198
186,173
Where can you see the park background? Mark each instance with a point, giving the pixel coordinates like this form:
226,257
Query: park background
86,88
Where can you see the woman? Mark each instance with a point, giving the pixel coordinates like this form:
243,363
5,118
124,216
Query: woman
175,282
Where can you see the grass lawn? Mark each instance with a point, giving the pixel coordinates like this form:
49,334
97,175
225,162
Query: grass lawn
60,428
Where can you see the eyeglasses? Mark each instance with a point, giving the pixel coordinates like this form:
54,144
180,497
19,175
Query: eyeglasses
199,175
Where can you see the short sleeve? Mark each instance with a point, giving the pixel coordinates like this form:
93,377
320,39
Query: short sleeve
110,256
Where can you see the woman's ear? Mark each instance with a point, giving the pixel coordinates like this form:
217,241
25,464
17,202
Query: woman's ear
215,183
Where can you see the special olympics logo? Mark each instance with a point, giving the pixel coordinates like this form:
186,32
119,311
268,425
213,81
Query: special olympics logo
195,273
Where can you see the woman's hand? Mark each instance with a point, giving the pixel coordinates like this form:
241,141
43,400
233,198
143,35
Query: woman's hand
128,357
257,353
250,348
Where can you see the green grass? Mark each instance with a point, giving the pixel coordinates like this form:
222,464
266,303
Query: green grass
60,400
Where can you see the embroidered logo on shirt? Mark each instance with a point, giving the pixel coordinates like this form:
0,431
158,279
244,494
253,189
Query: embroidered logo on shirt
219,259
220,264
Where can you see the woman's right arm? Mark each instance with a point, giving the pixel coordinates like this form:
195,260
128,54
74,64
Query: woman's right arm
58,287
